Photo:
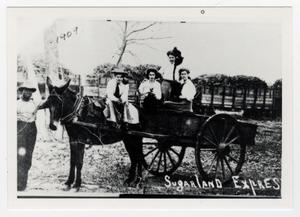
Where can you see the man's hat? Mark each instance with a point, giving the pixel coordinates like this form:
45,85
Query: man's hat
119,71
157,74
28,86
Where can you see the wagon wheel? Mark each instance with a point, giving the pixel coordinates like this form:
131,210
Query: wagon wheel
161,158
220,148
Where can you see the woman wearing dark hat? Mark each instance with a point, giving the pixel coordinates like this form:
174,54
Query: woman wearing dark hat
26,134
187,93
119,110
169,73
150,85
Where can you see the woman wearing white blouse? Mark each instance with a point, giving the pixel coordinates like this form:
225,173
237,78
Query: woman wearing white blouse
119,110
188,92
151,85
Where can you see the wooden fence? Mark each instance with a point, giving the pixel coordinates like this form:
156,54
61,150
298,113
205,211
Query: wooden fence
254,101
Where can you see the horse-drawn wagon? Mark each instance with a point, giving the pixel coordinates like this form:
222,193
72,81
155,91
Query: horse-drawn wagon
159,141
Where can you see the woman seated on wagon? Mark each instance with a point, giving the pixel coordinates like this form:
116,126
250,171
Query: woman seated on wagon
150,89
188,91
150,85
119,111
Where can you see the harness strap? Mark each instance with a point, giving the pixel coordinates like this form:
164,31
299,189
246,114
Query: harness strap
76,108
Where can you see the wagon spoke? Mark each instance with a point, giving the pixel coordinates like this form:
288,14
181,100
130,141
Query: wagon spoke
149,152
228,165
212,163
233,140
232,158
224,130
153,159
159,161
209,158
229,133
217,165
223,169
165,161
208,140
213,134
174,151
171,159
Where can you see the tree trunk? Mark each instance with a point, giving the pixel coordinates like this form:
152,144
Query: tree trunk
124,45
122,53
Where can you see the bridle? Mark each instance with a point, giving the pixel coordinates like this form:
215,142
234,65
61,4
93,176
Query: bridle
70,116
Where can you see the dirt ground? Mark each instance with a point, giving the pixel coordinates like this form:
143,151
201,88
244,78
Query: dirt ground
106,167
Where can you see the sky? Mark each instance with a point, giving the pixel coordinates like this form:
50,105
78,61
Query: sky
252,49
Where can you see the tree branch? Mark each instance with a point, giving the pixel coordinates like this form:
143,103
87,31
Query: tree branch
141,29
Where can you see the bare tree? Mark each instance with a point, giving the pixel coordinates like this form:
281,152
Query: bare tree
130,34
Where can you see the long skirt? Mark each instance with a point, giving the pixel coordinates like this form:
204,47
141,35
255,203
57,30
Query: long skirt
166,88
118,113
170,90
26,138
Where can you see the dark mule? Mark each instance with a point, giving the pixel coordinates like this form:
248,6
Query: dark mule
87,125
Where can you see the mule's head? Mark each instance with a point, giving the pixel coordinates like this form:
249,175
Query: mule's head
55,102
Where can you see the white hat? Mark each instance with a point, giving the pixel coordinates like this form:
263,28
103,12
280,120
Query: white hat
28,86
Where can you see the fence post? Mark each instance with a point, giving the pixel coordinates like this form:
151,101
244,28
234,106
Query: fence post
98,85
255,98
245,98
80,86
223,96
212,95
264,100
200,94
233,97
273,103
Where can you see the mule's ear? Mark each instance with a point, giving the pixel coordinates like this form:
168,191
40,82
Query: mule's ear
62,89
49,84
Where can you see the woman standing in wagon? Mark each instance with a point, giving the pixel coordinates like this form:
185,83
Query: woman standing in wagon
26,132
169,72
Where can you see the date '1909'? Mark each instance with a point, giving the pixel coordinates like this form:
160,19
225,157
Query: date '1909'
66,35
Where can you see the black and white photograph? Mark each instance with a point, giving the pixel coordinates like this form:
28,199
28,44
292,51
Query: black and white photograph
149,107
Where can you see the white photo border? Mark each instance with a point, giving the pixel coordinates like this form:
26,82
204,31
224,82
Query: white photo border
155,204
